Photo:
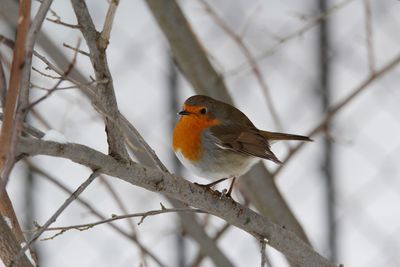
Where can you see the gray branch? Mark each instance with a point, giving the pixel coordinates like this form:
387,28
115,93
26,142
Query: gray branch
175,187
54,217
194,63
9,246
97,47
187,50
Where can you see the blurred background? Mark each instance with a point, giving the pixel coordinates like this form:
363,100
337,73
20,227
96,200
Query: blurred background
304,57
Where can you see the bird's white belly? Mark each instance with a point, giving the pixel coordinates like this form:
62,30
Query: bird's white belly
213,170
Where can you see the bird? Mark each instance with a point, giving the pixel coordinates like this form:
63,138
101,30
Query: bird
217,141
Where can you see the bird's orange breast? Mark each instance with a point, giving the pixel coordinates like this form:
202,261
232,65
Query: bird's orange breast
187,135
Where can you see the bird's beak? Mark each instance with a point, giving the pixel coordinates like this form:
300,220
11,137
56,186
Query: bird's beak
183,112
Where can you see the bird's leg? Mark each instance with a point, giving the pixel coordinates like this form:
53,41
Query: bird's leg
212,184
228,194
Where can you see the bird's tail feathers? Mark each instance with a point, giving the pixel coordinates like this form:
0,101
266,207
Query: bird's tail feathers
274,136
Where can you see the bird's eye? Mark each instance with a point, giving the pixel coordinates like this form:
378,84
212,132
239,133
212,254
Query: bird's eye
203,111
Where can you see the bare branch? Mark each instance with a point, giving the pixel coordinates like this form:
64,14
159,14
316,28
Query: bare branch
370,35
11,124
187,50
7,41
105,92
313,23
142,215
3,85
28,129
76,50
175,187
339,106
189,222
192,59
54,217
45,74
263,251
118,201
58,21
268,200
30,42
55,87
77,86
200,255
253,63
9,129
9,246
105,33
131,237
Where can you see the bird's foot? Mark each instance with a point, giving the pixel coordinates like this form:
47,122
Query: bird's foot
228,194
211,184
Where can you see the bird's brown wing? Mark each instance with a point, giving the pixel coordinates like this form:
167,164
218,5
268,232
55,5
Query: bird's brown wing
245,140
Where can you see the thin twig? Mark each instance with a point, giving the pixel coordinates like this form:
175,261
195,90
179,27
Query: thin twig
247,22
11,126
85,86
7,41
131,237
59,22
117,200
28,129
54,217
253,63
200,255
75,86
38,87
180,189
3,85
108,22
263,251
314,22
55,87
142,215
30,42
76,50
339,106
46,75
131,134
370,35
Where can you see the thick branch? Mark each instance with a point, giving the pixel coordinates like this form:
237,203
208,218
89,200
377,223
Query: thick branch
339,106
266,197
192,227
212,202
193,61
189,222
147,157
105,91
9,129
186,49
9,247
8,138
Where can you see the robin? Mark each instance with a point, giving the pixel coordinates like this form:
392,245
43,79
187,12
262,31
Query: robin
217,141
